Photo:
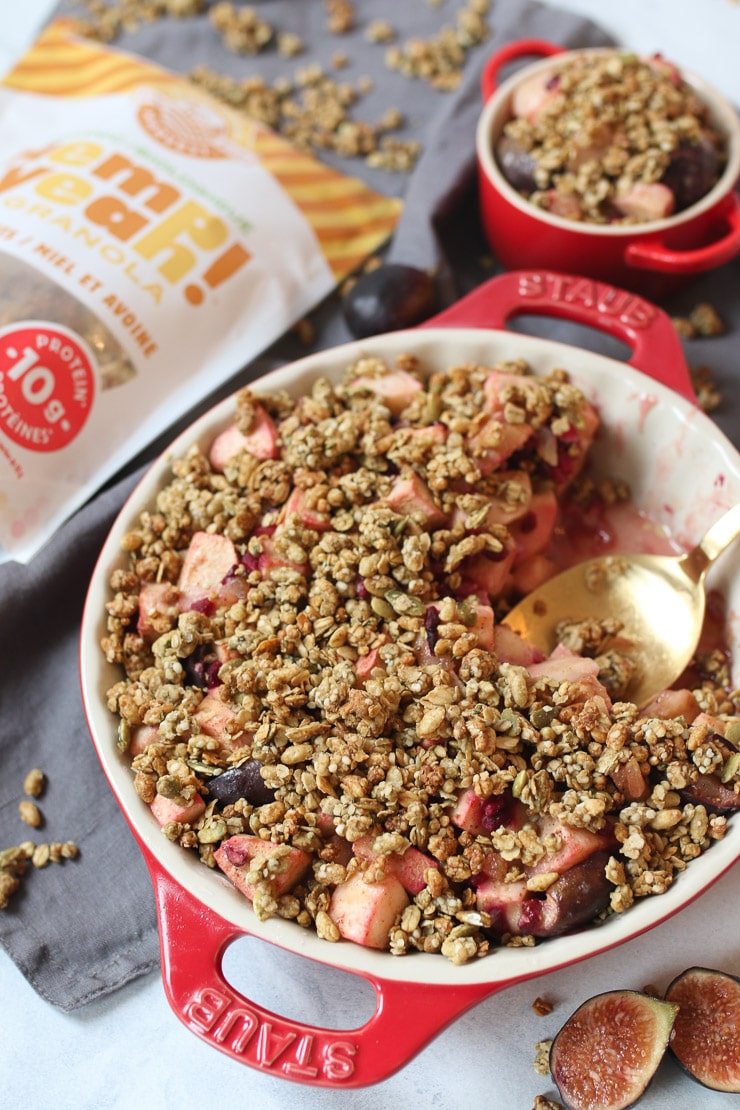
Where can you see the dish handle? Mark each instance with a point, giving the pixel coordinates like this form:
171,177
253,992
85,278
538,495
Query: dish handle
511,52
193,940
645,328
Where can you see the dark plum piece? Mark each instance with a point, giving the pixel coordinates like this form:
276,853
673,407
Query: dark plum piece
710,791
574,899
692,171
706,1036
202,668
516,164
606,1054
392,297
244,781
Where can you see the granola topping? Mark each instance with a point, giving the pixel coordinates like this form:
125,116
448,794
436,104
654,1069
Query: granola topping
317,697
610,138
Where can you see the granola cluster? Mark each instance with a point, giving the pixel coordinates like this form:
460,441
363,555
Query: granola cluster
611,137
343,675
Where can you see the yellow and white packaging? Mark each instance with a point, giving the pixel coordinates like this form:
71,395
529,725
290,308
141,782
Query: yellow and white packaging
152,242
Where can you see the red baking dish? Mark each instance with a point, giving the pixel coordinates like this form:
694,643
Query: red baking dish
681,470
653,258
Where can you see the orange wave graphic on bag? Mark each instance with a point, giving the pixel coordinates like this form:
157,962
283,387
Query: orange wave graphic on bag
349,219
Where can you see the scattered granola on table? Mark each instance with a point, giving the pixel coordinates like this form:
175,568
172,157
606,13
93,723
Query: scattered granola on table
318,699
14,861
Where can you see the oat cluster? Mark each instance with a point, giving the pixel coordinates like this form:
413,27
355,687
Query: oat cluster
346,649
605,123
312,109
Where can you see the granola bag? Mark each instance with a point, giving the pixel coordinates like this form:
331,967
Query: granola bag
152,242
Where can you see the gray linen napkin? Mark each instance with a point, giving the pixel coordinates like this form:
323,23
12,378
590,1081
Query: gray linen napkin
84,928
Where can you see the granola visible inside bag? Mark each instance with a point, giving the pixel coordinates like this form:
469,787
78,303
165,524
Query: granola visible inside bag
152,242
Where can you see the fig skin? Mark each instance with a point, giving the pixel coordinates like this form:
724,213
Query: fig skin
392,297
516,164
710,791
607,1052
693,171
574,899
706,1036
244,781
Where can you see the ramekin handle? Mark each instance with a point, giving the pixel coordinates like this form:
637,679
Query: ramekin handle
520,48
193,940
645,328
652,254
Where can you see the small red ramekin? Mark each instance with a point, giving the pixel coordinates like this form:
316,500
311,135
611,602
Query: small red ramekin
653,258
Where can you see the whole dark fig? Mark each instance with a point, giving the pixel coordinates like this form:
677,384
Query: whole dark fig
389,298
706,1037
609,1050
244,781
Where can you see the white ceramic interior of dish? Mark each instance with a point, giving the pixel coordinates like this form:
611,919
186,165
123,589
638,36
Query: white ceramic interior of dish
497,111
682,472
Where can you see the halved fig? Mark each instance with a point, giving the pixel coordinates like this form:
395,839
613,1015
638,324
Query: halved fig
706,1037
606,1054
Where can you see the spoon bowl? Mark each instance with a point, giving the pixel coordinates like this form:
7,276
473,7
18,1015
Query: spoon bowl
659,601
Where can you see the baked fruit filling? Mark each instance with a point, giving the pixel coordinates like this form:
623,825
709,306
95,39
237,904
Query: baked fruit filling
318,697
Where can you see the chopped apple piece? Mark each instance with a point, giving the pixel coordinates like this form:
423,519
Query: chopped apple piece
396,389
531,572
672,703
480,816
410,495
141,737
646,201
408,867
496,441
532,96
489,570
261,441
312,518
217,718
575,845
273,558
511,647
565,205
532,532
208,560
503,902
167,810
564,666
483,626
366,912
158,609
235,855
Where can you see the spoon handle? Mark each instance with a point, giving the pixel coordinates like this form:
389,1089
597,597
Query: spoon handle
722,533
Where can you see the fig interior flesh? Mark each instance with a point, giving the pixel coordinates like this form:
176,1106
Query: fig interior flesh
607,1052
706,1038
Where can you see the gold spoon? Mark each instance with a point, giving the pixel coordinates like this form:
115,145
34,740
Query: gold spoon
659,600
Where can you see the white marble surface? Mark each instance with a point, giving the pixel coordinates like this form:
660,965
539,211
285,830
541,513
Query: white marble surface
129,1051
